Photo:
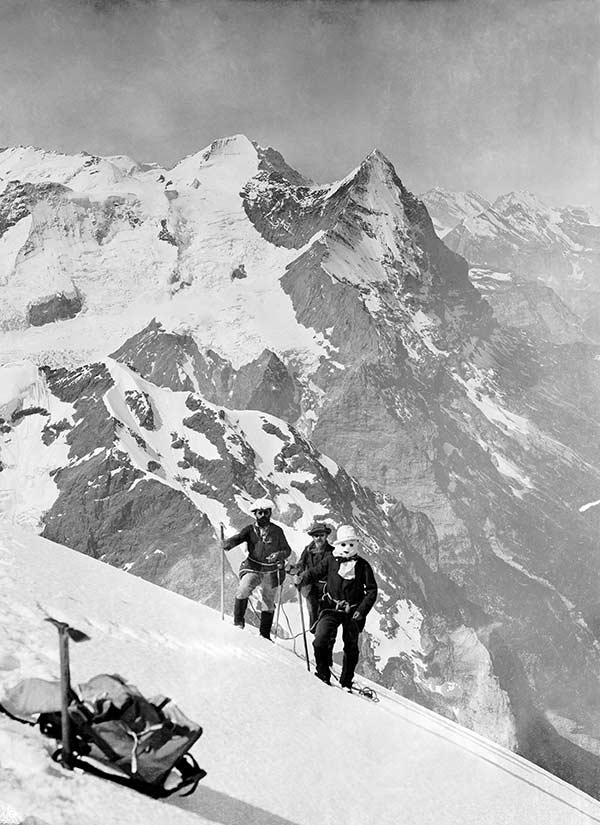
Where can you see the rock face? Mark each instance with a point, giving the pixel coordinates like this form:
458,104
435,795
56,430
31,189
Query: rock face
358,372
57,308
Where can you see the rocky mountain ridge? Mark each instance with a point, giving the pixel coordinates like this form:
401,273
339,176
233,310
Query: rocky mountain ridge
533,242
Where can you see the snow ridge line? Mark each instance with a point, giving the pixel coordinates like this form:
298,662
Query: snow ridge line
413,709
488,744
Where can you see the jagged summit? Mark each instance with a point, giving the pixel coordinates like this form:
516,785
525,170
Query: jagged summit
448,208
229,146
376,158
521,199
375,167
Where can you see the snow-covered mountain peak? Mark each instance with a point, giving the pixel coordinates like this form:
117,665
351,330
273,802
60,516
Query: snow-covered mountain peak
375,170
221,150
233,145
523,200
35,165
91,174
123,162
227,163
377,160
448,209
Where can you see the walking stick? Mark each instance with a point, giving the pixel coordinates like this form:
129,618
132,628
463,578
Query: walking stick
65,632
278,602
303,629
222,574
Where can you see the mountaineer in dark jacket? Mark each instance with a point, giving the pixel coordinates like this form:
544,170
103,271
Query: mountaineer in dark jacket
350,592
312,556
267,550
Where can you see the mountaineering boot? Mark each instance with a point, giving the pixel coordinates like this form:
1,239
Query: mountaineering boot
239,609
266,623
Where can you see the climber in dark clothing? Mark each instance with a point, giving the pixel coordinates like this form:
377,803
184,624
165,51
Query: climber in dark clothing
350,592
312,556
267,550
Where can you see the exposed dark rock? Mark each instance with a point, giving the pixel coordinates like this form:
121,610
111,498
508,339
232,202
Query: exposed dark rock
25,411
239,272
18,198
139,403
273,163
57,308
140,441
116,209
164,233
291,514
51,431
266,384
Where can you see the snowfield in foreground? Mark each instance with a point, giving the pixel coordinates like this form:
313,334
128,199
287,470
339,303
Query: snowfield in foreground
280,748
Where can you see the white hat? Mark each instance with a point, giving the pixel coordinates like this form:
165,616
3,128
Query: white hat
346,543
346,532
262,504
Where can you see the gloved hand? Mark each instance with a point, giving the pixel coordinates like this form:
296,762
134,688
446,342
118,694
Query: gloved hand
357,616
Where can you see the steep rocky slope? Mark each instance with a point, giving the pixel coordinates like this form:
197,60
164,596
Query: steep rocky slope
431,400
142,475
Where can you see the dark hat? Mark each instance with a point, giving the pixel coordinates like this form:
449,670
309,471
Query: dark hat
318,527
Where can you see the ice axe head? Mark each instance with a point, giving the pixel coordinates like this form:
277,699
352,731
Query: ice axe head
72,632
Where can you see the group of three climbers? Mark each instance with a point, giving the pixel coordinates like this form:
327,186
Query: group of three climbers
338,584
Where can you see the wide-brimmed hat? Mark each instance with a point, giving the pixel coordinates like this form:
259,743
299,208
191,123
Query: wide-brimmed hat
345,533
318,527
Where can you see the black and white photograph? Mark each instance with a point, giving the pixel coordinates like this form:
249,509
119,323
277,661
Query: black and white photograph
299,412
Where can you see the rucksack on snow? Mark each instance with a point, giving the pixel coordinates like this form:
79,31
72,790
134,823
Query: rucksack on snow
117,733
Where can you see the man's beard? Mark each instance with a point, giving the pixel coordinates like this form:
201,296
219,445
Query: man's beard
262,521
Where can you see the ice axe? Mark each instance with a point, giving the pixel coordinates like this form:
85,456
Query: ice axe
303,628
66,632
222,573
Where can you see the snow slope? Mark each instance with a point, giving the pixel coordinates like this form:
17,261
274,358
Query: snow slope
280,748
447,208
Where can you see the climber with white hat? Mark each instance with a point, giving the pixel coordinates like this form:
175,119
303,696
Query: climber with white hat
267,550
350,592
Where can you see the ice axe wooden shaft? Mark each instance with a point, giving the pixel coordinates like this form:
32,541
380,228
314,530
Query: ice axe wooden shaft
66,632
303,629
222,574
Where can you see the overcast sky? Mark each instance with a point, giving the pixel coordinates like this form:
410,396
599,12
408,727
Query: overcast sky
490,95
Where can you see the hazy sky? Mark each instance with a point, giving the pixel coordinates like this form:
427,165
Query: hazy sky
490,95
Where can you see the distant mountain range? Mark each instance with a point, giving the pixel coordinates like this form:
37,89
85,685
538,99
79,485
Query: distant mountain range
177,342
534,242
